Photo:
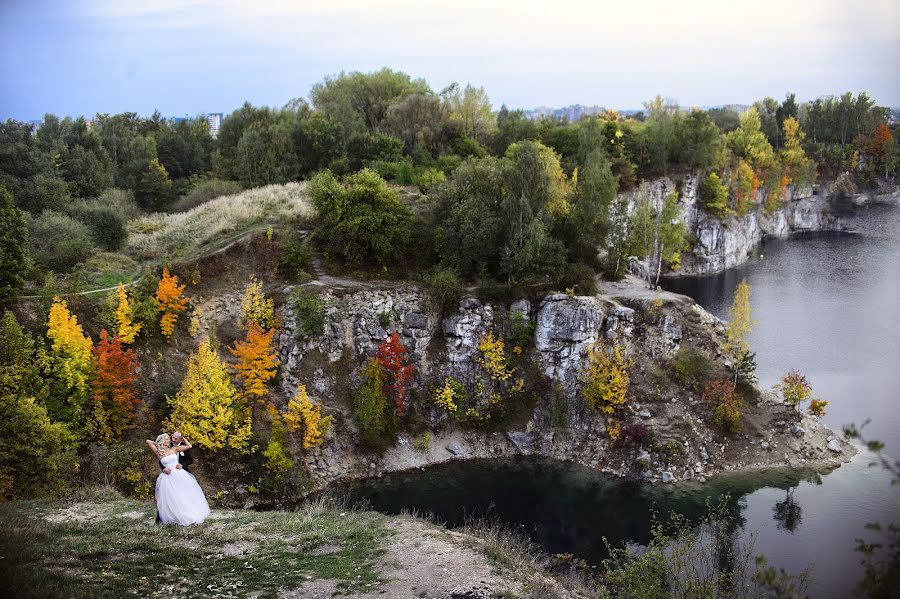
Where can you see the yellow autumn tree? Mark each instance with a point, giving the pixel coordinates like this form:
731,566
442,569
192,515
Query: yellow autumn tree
257,361
305,418
741,324
493,357
207,408
606,378
70,349
171,302
127,328
68,362
256,307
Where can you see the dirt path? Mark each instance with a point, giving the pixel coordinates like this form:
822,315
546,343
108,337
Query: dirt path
424,562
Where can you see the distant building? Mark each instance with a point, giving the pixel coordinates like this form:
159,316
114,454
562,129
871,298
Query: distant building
214,120
571,113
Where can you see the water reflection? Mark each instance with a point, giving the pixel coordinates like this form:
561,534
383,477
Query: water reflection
562,507
788,513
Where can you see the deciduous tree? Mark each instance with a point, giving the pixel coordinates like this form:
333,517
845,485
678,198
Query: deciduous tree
257,361
13,246
69,362
170,302
114,393
397,369
305,418
606,378
207,408
127,328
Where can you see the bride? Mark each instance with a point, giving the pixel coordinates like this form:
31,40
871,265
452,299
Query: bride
179,498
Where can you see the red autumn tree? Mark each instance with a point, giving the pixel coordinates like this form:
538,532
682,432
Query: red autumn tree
879,139
114,394
398,371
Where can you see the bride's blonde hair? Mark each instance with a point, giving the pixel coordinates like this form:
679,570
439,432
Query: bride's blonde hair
159,441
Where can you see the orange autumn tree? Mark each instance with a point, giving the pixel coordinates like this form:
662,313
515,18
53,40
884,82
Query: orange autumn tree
257,361
171,302
114,396
397,369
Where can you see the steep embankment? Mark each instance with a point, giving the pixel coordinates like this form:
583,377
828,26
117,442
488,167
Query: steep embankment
681,443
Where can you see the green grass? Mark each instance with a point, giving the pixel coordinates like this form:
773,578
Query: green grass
110,547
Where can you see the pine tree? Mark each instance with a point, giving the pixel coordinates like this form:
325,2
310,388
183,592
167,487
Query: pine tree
257,362
305,418
114,394
207,408
13,246
154,190
127,329
170,301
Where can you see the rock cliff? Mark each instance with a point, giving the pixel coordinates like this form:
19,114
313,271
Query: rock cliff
681,443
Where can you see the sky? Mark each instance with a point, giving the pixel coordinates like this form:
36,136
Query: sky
186,57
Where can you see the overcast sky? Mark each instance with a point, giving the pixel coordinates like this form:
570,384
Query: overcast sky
192,56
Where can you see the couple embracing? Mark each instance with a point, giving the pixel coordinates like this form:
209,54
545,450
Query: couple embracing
179,499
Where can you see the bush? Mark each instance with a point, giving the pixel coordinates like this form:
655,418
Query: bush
444,288
309,312
118,465
580,277
108,228
294,259
606,380
429,179
204,191
360,220
59,242
633,433
120,200
691,367
725,404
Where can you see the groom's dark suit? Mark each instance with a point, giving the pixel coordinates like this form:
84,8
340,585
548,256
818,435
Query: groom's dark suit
185,459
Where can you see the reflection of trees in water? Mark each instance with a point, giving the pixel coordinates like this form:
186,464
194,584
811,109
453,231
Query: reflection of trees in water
788,513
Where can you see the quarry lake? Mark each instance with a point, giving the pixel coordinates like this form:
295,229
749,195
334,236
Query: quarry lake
825,304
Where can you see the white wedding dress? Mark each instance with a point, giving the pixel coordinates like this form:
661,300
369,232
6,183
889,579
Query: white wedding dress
179,498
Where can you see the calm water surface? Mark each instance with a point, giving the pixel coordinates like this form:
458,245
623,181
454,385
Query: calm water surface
827,305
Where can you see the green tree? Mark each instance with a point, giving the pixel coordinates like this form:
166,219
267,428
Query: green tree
374,411
13,246
471,107
589,221
155,189
714,196
360,220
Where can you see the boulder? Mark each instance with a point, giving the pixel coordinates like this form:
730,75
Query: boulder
835,446
668,477
523,442
454,448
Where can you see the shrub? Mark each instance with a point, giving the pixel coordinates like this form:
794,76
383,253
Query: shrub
794,388
429,179
294,259
119,465
725,403
606,379
309,312
444,288
204,191
256,307
691,367
109,228
580,278
59,242
305,418
360,220
633,433
521,332
120,200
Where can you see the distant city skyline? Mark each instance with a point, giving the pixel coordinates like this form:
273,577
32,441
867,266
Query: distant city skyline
192,57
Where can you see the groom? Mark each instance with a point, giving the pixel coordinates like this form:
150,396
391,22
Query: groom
185,459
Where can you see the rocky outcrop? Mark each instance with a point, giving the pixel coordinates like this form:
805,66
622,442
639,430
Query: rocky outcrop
564,330
651,326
